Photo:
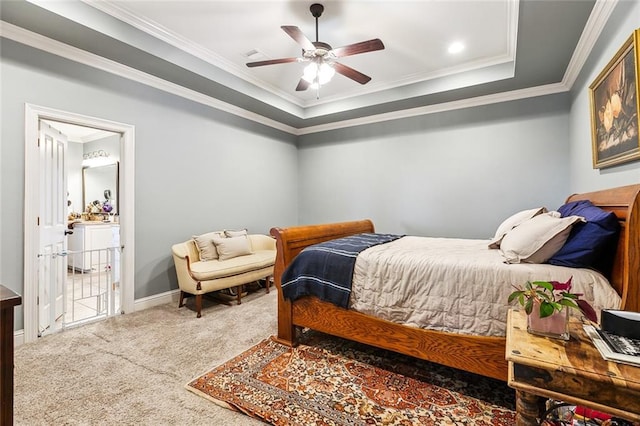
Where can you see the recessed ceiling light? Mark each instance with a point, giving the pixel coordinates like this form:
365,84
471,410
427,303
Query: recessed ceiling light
456,47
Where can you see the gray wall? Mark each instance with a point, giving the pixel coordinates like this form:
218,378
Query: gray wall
73,159
454,174
458,173
197,169
625,19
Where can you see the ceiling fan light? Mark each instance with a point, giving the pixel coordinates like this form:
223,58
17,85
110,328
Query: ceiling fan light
325,73
318,74
310,72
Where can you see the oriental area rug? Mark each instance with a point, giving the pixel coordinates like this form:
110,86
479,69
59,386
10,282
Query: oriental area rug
331,381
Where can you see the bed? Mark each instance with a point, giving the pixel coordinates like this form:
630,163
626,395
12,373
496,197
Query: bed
484,355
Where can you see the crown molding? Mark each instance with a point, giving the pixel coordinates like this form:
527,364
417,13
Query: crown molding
513,95
595,24
160,32
63,50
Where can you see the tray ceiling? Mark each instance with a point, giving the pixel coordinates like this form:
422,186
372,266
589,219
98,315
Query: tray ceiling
523,48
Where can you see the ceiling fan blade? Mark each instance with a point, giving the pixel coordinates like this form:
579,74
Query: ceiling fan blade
271,62
362,47
302,85
299,37
351,73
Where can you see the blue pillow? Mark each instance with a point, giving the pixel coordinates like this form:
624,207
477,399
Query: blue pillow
591,244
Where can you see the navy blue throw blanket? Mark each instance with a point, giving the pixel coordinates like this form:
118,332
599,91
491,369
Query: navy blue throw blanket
325,270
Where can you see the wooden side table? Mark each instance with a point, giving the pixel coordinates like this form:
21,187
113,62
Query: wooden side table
8,299
571,371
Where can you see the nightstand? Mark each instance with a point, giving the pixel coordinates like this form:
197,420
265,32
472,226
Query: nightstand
571,371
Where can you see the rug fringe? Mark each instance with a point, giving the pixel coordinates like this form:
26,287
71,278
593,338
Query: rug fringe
221,403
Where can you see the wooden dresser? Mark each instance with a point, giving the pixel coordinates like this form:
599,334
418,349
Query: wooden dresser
8,299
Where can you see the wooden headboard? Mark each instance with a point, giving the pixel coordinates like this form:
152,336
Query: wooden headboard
291,241
624,201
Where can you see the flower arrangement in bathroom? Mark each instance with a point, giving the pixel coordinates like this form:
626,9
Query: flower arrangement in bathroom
96,211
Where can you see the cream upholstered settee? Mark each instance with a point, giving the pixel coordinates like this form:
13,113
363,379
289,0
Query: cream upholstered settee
222,260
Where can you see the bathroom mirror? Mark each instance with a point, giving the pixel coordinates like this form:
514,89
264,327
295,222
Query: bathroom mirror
101,183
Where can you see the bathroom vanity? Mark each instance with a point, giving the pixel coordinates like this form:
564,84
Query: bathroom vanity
94,246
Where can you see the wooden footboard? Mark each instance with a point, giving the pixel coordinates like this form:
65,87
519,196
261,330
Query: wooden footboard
476,354
289,242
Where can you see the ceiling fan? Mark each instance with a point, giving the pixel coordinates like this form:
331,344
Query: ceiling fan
322,57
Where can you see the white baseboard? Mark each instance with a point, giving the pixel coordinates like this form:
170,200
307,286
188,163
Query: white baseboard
138,305
18,338
157,299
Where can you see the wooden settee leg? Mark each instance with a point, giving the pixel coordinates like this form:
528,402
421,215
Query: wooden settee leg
199,305
181,302
239,294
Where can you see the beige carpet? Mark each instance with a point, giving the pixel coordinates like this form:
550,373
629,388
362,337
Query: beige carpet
132,369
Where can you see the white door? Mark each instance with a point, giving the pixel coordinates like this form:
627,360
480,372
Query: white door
52,222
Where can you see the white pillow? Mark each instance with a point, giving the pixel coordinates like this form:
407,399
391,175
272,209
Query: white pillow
204,244
228,248
537,239
230,233
511,222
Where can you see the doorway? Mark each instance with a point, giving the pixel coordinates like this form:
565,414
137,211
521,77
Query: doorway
90,234
117,261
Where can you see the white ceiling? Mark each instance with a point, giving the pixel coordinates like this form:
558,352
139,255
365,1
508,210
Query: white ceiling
197,49
416,35
79,134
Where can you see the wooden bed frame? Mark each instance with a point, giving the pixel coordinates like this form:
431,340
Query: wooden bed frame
478,354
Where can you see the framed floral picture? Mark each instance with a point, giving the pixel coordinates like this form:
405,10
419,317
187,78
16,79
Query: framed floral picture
614,108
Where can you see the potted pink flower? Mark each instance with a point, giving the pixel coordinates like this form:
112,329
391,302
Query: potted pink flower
547,306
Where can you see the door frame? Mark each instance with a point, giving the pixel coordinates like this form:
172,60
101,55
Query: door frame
33,115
